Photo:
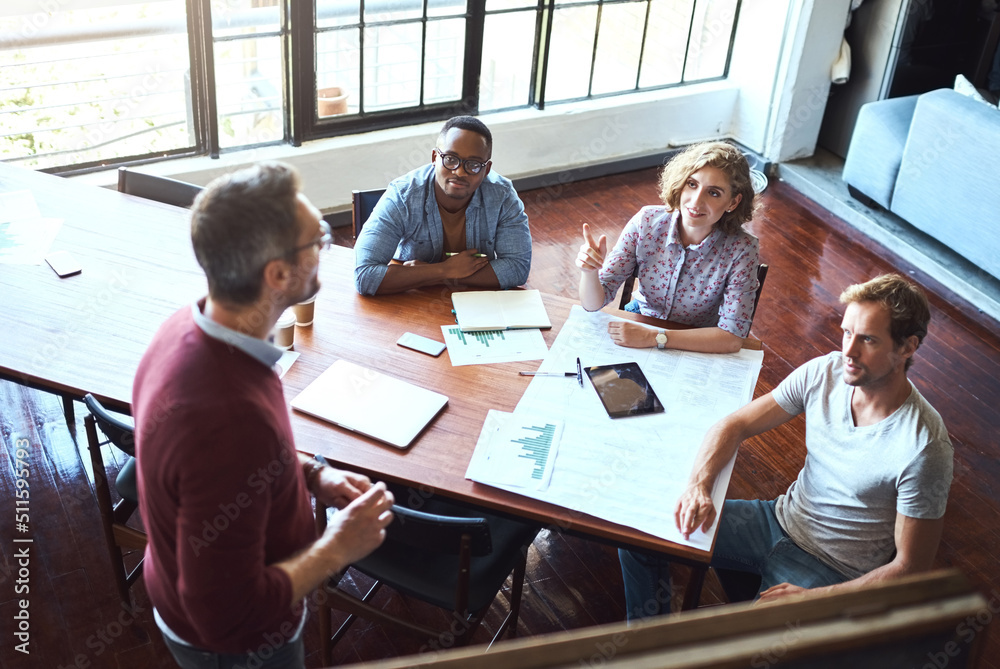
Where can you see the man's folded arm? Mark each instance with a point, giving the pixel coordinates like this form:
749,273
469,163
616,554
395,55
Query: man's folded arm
513,244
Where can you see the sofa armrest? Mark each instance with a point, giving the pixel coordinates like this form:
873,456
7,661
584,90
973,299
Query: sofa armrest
876,149
949,179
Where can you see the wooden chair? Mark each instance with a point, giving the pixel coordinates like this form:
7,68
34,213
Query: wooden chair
363,202
118,536
446,555
630,286
160,189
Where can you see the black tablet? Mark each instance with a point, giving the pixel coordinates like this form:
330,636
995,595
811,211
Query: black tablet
624,390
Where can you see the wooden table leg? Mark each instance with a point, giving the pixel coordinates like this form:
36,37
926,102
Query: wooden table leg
692,593
70,413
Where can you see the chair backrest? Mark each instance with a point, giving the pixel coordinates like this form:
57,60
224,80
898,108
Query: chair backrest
118,432
160,189
363,202
761,275
442,534
628,287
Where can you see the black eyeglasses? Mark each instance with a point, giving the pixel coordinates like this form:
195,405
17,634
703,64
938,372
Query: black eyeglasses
323,242
451,162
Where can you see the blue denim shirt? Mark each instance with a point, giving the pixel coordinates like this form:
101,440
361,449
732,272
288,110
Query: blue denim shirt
406,225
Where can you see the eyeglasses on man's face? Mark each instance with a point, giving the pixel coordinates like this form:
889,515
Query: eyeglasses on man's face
452,162
323,242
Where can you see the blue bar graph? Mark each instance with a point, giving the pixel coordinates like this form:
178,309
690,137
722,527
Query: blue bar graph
482,336
537,447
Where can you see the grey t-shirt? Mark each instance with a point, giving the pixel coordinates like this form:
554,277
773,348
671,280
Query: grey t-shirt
842,507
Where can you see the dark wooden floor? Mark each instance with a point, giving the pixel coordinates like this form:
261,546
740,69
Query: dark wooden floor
76,619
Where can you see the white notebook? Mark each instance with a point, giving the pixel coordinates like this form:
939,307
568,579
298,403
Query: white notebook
499,310
371,403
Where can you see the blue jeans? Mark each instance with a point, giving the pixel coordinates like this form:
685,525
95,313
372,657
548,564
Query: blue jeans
749,539
289,655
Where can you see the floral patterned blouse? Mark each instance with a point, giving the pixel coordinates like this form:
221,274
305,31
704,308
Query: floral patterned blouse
712,283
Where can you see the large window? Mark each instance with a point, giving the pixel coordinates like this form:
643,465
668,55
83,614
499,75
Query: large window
89,83
92,84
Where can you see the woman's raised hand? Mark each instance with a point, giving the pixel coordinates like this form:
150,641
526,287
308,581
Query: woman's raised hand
591,256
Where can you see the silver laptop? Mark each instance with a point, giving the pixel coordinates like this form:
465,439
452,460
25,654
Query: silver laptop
370,403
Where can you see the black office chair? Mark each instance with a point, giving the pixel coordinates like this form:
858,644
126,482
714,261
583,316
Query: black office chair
118,536
630,282
455,558
761,275
160,189
362,204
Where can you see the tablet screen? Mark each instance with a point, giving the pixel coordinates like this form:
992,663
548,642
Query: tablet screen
624,390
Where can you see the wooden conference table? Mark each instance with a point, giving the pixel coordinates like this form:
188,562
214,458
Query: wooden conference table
86,333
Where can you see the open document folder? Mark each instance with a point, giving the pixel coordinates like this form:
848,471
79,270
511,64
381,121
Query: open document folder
499,310
632,470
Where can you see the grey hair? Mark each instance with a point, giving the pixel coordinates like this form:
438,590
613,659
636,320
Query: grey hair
239,223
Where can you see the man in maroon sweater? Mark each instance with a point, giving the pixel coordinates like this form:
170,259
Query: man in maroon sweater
224,495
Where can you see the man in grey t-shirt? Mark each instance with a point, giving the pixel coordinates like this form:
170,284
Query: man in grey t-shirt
869,502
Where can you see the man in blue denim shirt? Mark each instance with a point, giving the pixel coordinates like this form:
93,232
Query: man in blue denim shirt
448,222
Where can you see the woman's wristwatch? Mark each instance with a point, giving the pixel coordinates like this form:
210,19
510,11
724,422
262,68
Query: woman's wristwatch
661,338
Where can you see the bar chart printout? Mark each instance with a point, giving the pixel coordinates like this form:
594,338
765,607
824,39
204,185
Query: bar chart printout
516,451
537,448
488,346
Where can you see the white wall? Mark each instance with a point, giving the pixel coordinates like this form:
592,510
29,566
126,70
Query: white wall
780,69
813,34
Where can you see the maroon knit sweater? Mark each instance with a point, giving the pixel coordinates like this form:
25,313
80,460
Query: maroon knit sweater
220,490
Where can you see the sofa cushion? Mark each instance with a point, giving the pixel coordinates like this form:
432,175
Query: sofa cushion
949,179
876,149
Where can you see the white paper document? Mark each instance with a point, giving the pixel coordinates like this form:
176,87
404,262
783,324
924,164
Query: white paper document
488,346
515,452
27,241
18,205
632,470
25,237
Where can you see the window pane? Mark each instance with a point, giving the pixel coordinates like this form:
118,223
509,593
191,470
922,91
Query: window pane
508,42
618,46
666,41
496,5
87,89
244,17
333,13
392,66
445,58
338,66
436,8
393,10
248,88
710,36
570,54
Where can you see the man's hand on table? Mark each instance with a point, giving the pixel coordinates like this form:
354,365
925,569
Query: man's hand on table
464,264
695,510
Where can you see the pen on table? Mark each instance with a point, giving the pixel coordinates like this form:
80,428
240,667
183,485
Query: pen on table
547,373
579,372
474,255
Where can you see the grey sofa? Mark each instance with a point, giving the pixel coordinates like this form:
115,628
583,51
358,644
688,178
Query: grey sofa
934,161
